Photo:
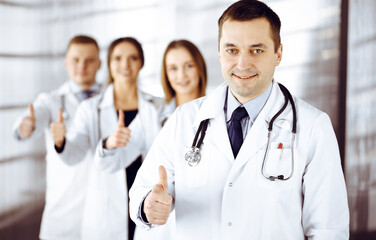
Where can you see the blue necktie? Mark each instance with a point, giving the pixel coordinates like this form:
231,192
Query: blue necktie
84,94
235,131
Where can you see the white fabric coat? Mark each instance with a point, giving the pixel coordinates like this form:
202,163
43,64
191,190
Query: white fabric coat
65,185
105,214
224,198
166,111
168,230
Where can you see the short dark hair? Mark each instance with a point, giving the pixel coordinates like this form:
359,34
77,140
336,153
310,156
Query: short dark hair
112,46
245,10
198,59
83,39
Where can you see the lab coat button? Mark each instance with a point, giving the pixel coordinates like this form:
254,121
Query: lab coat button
229,224
230,184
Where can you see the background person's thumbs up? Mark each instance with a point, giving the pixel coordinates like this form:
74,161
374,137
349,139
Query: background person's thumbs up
60,117
120,137
157,205
58,130
31,110
27,124
121,119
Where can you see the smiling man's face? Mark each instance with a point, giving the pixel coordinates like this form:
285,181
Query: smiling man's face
248,58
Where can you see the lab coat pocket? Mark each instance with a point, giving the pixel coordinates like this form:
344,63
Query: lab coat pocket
196,176
278,162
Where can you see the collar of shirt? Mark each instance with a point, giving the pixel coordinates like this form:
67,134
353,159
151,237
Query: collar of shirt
253,108
75,88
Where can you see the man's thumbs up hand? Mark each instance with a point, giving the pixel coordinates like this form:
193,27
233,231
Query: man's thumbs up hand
157,205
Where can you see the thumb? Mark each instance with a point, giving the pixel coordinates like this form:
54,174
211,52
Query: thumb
60,118
163,179
31,110
121,119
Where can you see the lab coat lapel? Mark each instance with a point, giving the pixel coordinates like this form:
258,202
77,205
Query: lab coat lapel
108,115
218,137
257,136
212,108
67,102
68,94
137,121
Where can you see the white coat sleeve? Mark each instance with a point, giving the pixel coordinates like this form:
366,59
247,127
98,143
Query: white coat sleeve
143,132
325,207
77,140
161,153
42,113
118,158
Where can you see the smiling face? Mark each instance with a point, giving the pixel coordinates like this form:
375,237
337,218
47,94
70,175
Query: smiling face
182,72
82,63
247,57
125,63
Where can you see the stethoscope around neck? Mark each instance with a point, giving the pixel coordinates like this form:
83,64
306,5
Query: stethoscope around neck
193,156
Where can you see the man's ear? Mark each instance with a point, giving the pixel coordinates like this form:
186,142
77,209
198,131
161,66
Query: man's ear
278,55
100,64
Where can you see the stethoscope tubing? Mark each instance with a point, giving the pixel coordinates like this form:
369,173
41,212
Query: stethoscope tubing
193,156
288,98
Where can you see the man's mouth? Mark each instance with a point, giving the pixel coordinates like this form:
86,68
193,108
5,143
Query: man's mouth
244,77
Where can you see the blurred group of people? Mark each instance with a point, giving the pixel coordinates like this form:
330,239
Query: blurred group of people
96,136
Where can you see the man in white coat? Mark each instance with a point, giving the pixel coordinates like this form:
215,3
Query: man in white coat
66,185
237,191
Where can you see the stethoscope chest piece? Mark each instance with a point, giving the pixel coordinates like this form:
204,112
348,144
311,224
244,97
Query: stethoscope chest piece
193,157
65,116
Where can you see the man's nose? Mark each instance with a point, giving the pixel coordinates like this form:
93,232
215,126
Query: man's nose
244,62
82,65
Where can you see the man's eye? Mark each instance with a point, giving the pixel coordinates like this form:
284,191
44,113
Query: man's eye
231,51
257,51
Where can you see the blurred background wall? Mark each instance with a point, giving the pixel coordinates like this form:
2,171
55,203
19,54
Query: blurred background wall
360,158
329,58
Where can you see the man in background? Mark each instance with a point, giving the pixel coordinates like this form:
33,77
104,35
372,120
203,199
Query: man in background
65,185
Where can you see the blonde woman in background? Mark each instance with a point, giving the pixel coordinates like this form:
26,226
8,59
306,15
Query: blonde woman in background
183,79
183,75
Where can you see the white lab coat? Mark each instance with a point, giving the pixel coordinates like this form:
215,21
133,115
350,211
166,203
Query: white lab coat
106,207
167,231
65,185
111,164
223,198
166,111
